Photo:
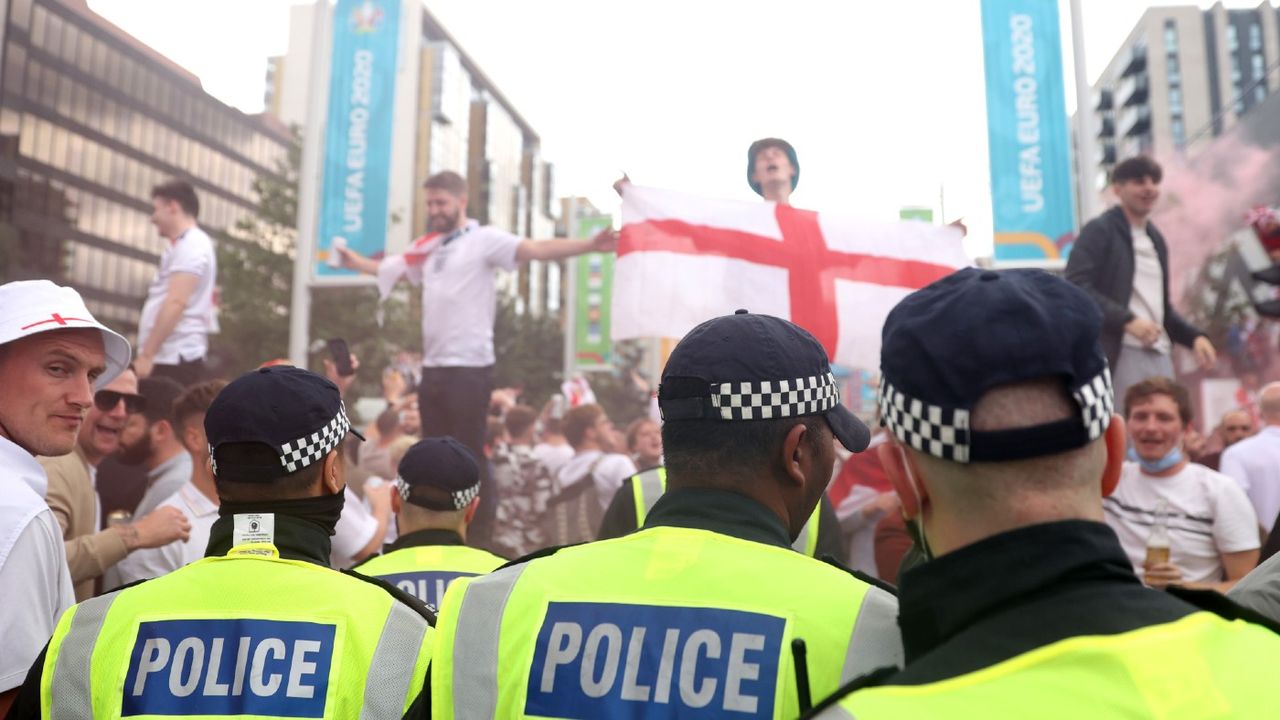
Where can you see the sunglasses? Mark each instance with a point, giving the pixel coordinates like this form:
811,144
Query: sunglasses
107,400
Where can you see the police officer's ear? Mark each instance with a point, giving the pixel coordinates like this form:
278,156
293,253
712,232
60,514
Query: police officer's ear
1117,444
900,467
797,454
332,477
471,509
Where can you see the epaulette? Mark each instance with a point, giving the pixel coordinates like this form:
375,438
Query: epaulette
427,612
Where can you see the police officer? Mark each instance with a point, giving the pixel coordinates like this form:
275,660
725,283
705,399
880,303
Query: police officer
437,493
696,612
261,626
999,399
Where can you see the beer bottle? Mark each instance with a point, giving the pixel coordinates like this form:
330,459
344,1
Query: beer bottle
1158,540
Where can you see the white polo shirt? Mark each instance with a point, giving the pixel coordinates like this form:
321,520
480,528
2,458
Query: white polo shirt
1255,463
459,293
191,253
1209,516
35,584
149,563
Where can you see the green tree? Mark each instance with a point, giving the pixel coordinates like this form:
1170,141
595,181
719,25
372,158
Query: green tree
529,351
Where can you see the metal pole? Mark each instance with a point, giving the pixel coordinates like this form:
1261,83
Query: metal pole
1086,134
309,187
571,292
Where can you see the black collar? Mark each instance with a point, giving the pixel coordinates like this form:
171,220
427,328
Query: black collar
295,539
940,598
721,511
423,538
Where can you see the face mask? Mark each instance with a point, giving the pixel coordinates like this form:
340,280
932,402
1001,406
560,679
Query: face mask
1151,467
915,526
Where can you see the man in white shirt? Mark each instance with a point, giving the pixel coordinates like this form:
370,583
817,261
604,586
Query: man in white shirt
1121,260
173,333
1255,462
1213,531
196,499
455,266
53,355
596,458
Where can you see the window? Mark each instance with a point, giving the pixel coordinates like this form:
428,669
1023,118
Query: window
53,36
1235,69
1170,37
1255,36
1233,38
1175,73
1259,92
1175,100
1258,68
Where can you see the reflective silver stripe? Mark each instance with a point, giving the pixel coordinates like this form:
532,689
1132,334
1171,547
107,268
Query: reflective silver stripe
653,483
475,644
835,712
391,671
71,692
875,642
801,544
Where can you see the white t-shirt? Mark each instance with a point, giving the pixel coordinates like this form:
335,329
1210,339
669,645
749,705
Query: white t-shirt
1209,516
553,457
459,294
35,585
356,527
1255,464
1147,300
191,253
149,563
609,474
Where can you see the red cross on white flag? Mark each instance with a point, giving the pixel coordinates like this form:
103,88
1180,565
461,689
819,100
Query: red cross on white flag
683,260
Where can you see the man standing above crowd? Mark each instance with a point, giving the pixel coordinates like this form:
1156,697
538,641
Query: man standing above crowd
1212,530
53,355
73,496
173,334
455,265
1122,261
1254,462
999,400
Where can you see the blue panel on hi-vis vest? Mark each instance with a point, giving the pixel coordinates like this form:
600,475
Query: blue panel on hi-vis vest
428,587
229,667
648,661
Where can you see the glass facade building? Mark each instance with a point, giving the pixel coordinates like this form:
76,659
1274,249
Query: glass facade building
90,120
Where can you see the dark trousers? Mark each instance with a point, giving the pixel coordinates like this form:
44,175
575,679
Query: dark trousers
455,401
186,373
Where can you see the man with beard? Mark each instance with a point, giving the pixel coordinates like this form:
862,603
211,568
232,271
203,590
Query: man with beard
151,440
74,500
455,266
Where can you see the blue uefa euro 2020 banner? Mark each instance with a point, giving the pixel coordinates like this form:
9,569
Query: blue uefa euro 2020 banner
1031,193
357,148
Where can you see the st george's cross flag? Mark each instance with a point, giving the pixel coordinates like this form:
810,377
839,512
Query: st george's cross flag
684,259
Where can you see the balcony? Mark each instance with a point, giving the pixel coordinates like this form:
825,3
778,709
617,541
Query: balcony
1106,127
1106,154
1135,121
1103,100
1134,90
1137,61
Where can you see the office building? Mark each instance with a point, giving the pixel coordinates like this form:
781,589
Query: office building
90,120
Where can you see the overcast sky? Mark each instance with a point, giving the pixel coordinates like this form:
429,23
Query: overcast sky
883,101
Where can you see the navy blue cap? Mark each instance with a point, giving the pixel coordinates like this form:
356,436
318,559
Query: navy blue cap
763,143
755,367
946,345
438,473
296,413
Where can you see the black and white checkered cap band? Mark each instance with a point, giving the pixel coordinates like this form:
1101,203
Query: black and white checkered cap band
945,434
459,498
769,399
300,453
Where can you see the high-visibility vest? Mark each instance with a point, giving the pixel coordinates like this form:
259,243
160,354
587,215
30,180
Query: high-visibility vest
248,634
426,571
649,485
1200,666
683,621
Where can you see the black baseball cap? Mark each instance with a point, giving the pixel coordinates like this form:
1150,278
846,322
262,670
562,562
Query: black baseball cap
763,143
946,345
438,473
745,367
295,412
160,394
